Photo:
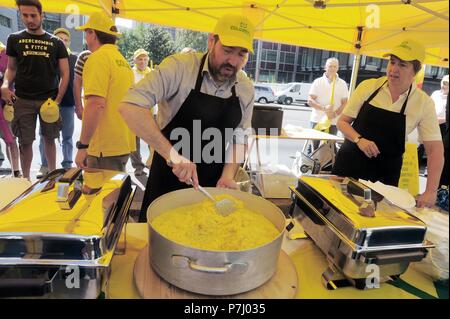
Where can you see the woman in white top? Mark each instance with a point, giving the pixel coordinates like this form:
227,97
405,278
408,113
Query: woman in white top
379,116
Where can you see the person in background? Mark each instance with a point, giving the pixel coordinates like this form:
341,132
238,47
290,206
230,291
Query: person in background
140,69
188,50
12,151
379,116
327,97
39,68
78,82
439,98
196,92
105,140
66,109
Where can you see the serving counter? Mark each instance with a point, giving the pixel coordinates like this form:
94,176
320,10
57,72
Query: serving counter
309,263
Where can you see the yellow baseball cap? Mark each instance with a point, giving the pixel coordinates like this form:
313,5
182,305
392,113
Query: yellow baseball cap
62,30
49,111
235,30
8,112
139,52
2,46
100,21
408,50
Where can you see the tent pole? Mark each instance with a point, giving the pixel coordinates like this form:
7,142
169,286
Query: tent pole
355,70
356,61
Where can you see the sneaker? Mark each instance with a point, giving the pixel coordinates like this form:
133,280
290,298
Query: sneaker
17,174
42,172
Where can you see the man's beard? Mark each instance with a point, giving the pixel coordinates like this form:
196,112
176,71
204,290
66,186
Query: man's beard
36,28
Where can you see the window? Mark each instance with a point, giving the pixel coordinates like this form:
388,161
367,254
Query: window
296,88
50,25
5,21
272,56
290,58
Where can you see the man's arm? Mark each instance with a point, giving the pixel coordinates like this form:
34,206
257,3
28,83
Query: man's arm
64,73
8,79
314,104
435,163
94,109
140,121
77,84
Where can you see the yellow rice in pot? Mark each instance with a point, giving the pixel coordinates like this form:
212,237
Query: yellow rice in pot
201,226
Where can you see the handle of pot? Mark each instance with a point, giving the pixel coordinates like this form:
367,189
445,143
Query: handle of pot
27,287
183,261
211,270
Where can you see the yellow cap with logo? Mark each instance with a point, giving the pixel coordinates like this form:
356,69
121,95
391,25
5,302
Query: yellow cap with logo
8,112
49,111
408,50
235,30
139,52
100,21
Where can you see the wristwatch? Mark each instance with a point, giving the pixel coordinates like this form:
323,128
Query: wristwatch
357,139
81,146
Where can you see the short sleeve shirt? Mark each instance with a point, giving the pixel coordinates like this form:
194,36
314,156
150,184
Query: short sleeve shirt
107,74
79,65
323,88
37,58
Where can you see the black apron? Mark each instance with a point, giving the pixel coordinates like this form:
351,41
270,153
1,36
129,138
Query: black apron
387,130
212,112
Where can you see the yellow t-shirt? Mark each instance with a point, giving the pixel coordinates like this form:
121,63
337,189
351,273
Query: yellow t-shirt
107,74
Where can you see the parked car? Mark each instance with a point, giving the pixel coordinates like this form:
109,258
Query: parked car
293,92
264,94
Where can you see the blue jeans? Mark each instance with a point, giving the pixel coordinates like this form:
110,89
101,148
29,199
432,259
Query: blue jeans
67,118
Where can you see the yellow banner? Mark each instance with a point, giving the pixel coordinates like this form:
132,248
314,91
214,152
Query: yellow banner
409,178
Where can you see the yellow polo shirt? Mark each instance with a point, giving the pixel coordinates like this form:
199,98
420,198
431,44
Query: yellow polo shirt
107,74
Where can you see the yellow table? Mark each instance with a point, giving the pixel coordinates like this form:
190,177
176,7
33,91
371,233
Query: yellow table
308,259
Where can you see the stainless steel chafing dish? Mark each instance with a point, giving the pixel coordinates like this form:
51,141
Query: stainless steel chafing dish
57,239
357,228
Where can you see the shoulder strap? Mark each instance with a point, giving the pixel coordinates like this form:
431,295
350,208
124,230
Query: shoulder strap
376,92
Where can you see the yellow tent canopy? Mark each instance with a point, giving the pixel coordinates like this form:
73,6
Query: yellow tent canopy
369,27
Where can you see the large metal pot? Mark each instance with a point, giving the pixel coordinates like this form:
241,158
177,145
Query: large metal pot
213,272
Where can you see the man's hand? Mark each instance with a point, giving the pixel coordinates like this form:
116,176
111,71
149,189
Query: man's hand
80,158
427,199
184,169
368,147
79,112
225,182
7,95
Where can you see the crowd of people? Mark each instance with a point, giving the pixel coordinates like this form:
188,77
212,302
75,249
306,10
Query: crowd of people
43,80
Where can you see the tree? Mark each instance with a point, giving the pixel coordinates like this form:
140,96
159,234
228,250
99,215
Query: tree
191,39
131,41
158,43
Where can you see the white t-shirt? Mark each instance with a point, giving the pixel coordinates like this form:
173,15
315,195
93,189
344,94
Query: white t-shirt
419,111
440,101
139,75
322,88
